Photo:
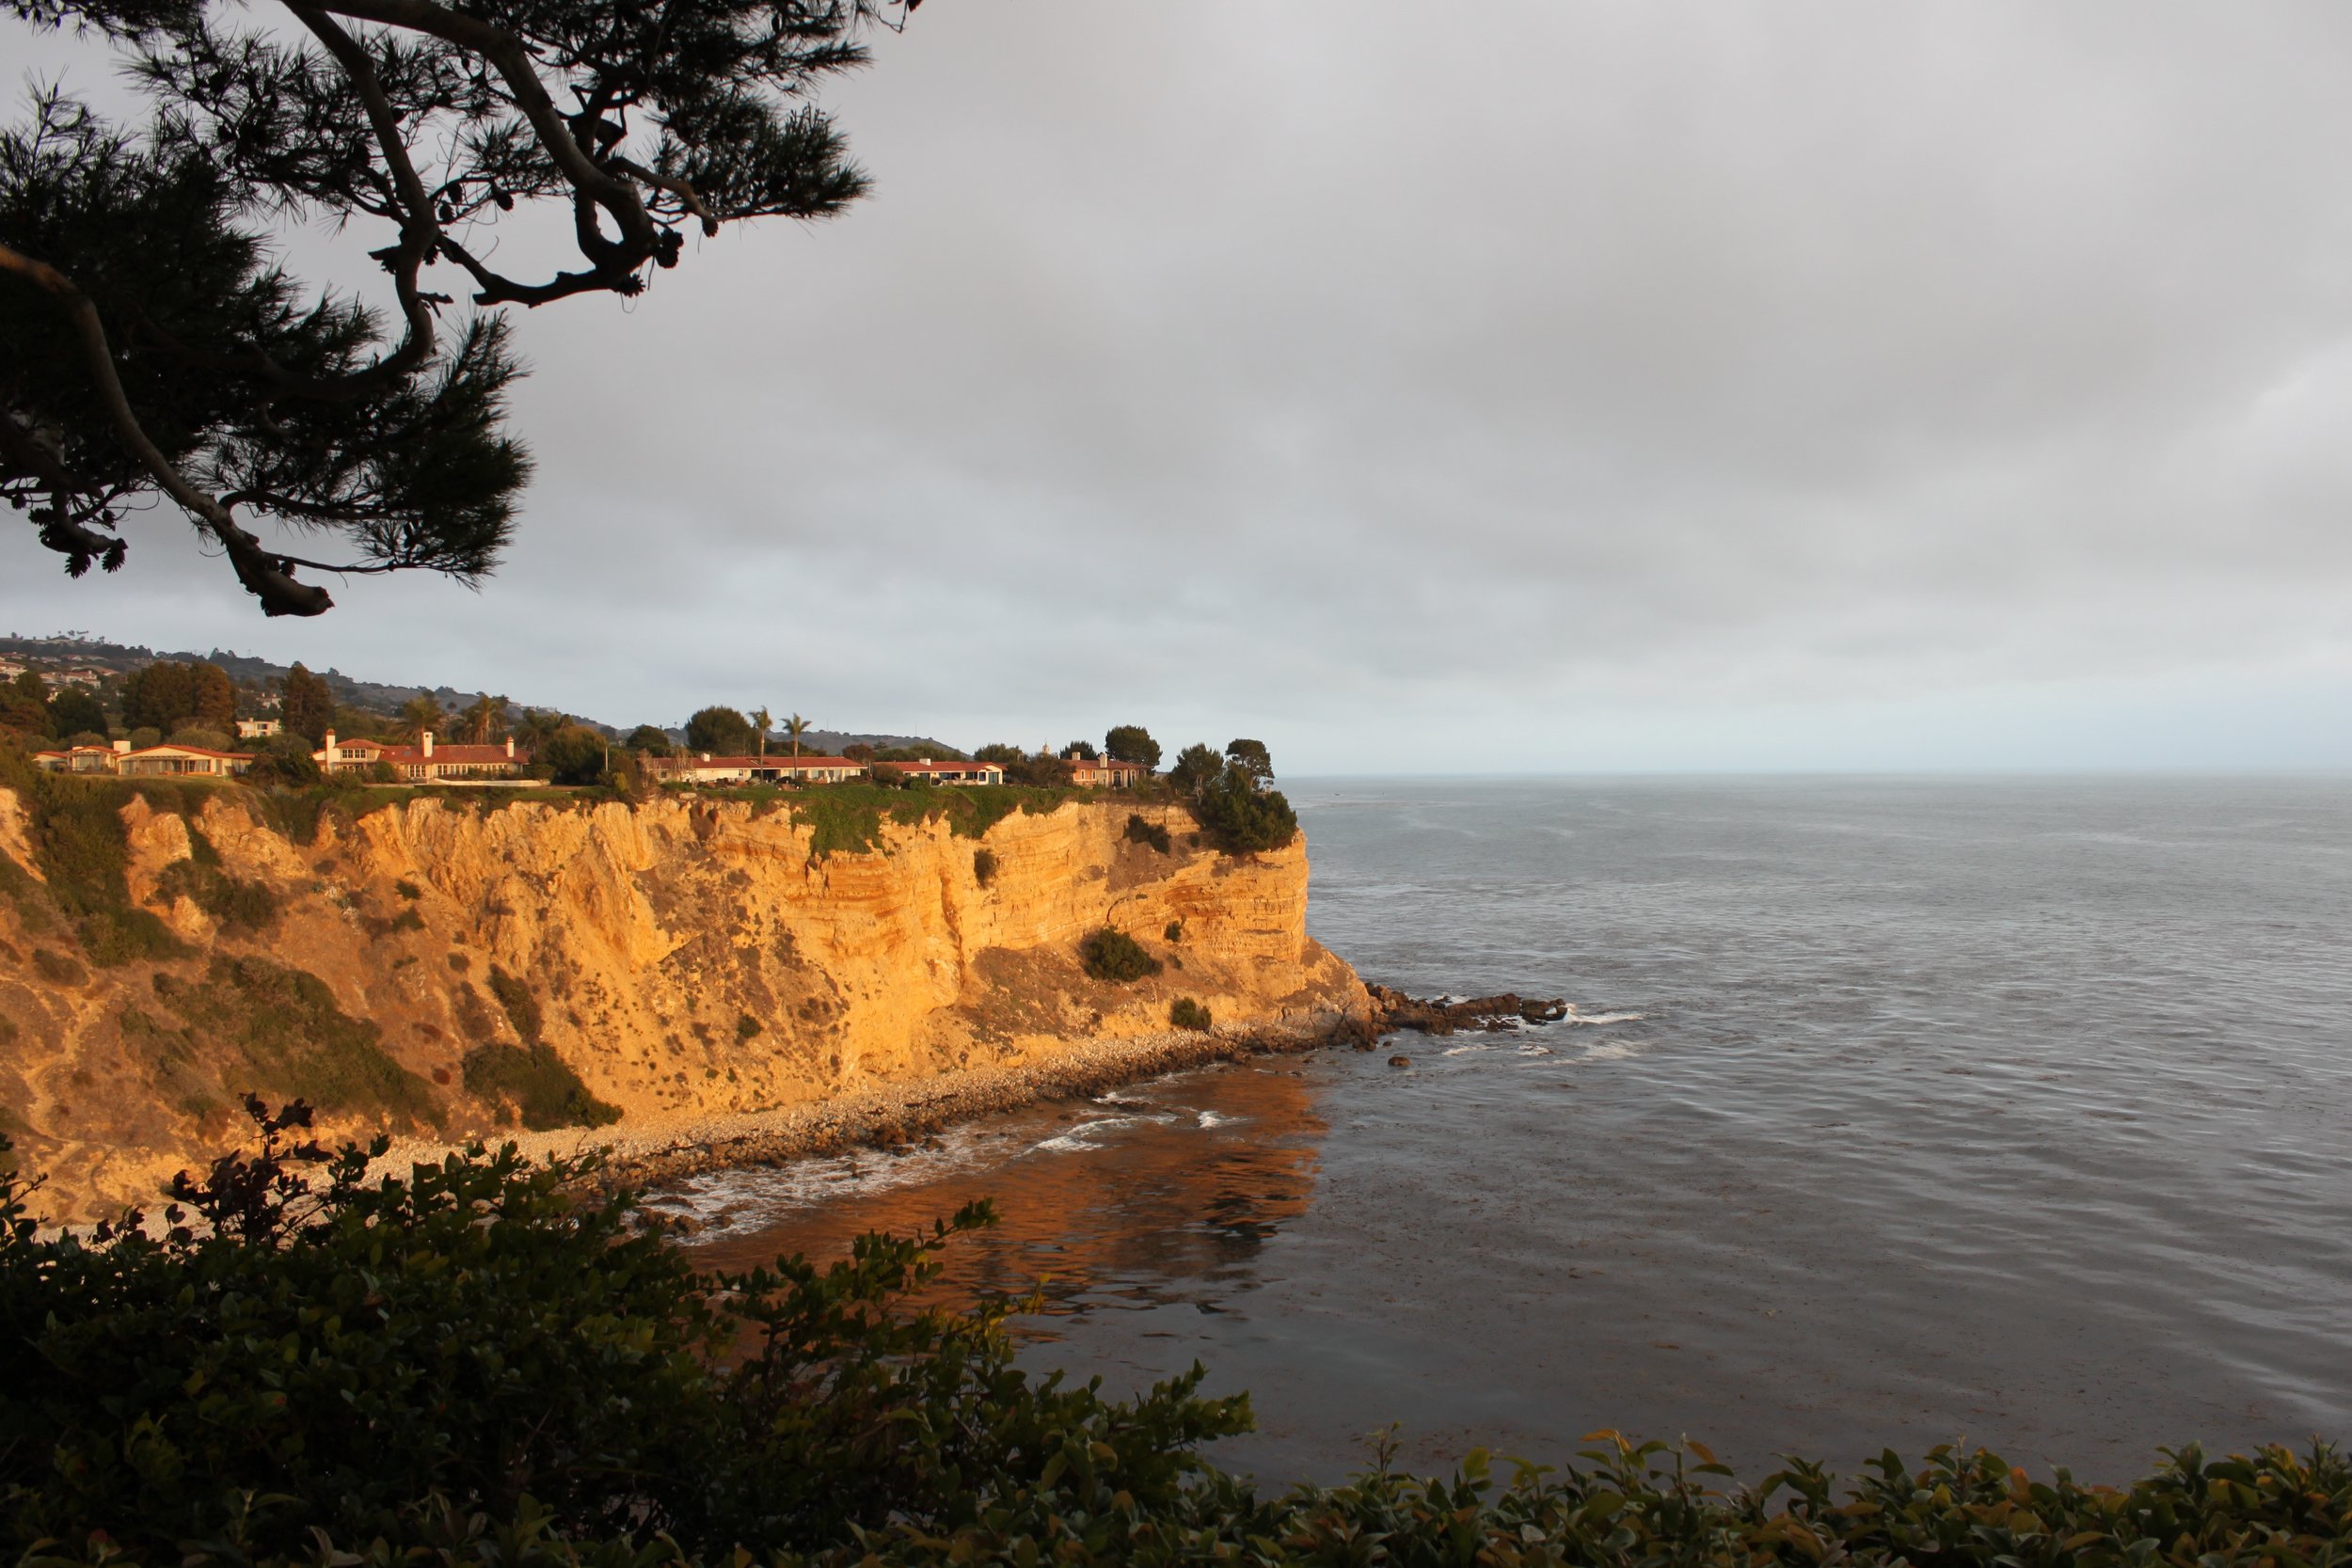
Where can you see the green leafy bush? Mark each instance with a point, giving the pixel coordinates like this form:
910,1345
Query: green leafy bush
573,755
984,866
285,759
1246,818
481,1363
382,1359
1152,833
1112,955
1188,1014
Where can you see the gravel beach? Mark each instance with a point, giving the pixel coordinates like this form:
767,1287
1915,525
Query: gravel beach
886,1114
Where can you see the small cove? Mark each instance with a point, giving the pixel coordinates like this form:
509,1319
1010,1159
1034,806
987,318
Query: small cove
2017,1111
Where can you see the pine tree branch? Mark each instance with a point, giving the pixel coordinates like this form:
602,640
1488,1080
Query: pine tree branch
265,577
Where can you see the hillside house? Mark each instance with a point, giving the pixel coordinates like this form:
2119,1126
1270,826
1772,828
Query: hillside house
950,772
170,761
701,768
151,762
427,762
259,729
1105,773
81,759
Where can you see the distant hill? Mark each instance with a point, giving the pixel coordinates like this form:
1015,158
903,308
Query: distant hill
70,651
64,653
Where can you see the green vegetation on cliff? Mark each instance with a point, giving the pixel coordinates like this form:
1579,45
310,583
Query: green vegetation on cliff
481,1363
277,1025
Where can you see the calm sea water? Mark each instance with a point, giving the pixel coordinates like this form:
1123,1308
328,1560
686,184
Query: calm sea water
1892,1112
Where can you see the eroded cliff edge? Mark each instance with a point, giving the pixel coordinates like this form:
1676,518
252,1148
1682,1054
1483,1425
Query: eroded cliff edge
682,959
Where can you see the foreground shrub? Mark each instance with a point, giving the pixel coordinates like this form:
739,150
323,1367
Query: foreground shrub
1142,832
304,1347
1185,1013
485,1363
1115,955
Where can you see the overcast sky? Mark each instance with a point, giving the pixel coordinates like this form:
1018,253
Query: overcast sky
1569,387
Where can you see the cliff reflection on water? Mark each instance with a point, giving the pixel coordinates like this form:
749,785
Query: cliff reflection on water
1161,1196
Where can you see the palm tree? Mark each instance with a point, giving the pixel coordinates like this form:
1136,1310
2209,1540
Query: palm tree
762,721
485,721
421,713
796,727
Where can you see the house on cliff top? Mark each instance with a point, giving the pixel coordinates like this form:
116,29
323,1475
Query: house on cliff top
149,761
427,762
950,772
702,768
1105,773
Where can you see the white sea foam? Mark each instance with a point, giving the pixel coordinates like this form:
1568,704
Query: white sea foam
715,1198
1078,1139
1595,1019
1617,1051
1211,1119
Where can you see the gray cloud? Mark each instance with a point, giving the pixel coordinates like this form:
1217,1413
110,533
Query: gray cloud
1577,385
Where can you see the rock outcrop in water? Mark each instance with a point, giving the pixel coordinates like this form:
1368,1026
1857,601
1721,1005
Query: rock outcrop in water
1394,1011
452,967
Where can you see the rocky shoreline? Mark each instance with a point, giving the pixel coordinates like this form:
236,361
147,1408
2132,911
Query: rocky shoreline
896,1116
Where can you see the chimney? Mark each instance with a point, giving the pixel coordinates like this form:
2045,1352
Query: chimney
510,746
330,743
428,745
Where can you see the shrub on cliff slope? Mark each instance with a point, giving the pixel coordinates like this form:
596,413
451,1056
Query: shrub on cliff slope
540,1085
257,1022
84,857
1115,955
480,1363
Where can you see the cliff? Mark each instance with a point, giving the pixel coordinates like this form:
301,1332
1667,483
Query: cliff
451,967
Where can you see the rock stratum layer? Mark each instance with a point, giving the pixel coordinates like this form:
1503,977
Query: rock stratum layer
446,967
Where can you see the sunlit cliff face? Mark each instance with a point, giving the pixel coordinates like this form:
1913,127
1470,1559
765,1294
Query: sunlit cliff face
684,960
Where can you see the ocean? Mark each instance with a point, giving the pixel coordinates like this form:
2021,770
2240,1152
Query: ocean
1891,1112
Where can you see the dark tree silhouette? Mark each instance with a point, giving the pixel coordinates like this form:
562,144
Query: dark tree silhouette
1131,743
1253,758
719,731
307,706
164,696
150,345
